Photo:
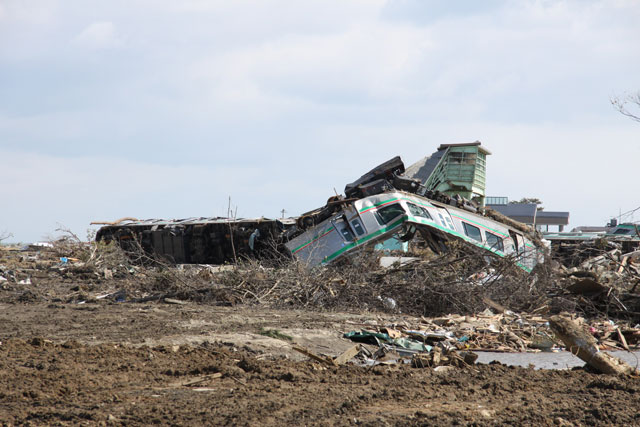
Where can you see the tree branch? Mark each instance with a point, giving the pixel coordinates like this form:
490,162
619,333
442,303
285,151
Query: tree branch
622,105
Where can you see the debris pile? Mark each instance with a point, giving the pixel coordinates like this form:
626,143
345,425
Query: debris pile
459,281
603,285
71,271
400,351
486,331
452,341
451,289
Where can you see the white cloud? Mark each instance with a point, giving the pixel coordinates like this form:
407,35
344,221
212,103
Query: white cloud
472,61
363,63
99,35
319,90
50,190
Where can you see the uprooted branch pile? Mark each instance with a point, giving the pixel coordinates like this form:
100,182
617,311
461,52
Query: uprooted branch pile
461,281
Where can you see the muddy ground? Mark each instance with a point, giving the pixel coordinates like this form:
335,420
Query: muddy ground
133,364
68,357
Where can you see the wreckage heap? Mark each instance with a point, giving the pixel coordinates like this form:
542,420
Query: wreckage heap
384,203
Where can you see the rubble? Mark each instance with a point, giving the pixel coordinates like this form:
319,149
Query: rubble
468,303
484,332
452,341
604,284
576,247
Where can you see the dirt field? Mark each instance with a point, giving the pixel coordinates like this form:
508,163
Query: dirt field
134,364
71,354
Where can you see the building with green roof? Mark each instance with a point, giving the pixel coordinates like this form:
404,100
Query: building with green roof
454,169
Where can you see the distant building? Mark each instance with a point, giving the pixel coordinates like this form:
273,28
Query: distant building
529,214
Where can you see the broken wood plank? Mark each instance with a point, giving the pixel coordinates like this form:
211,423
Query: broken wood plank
633,254
174,301
391,332
192,381
623,340
199,380
623,264
347,355
584,345
314,356
494,305
116,222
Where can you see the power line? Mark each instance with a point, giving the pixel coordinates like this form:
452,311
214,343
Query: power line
631,212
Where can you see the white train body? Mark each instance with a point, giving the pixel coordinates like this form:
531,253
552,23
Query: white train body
376,218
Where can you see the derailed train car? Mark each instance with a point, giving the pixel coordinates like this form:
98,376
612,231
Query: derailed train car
397,213
388,212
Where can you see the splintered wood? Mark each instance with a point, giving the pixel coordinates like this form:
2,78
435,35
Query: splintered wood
584,345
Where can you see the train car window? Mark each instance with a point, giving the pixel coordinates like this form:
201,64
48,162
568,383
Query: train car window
344,230
472,231
518,241
446,221
450,223
419,211
357,226
514,239
386,214
623,231
494,241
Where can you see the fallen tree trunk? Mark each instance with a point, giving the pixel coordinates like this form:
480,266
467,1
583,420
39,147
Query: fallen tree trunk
583,345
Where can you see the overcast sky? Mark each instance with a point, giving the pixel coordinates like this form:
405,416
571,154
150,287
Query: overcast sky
164,109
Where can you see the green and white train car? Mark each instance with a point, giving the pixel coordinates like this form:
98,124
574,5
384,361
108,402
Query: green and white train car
379,217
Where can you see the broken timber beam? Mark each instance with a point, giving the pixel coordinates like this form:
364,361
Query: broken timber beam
625,259
583,345
314,356
116,222
347,355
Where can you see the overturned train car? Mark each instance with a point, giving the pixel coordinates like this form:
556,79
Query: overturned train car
380,217
199,240
383,204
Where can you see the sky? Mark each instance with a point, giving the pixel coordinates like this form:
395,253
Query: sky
169,109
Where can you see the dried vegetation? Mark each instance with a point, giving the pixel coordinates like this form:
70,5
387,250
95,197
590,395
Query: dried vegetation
463,281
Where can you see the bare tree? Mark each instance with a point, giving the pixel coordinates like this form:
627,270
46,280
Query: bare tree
629,105
5,235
